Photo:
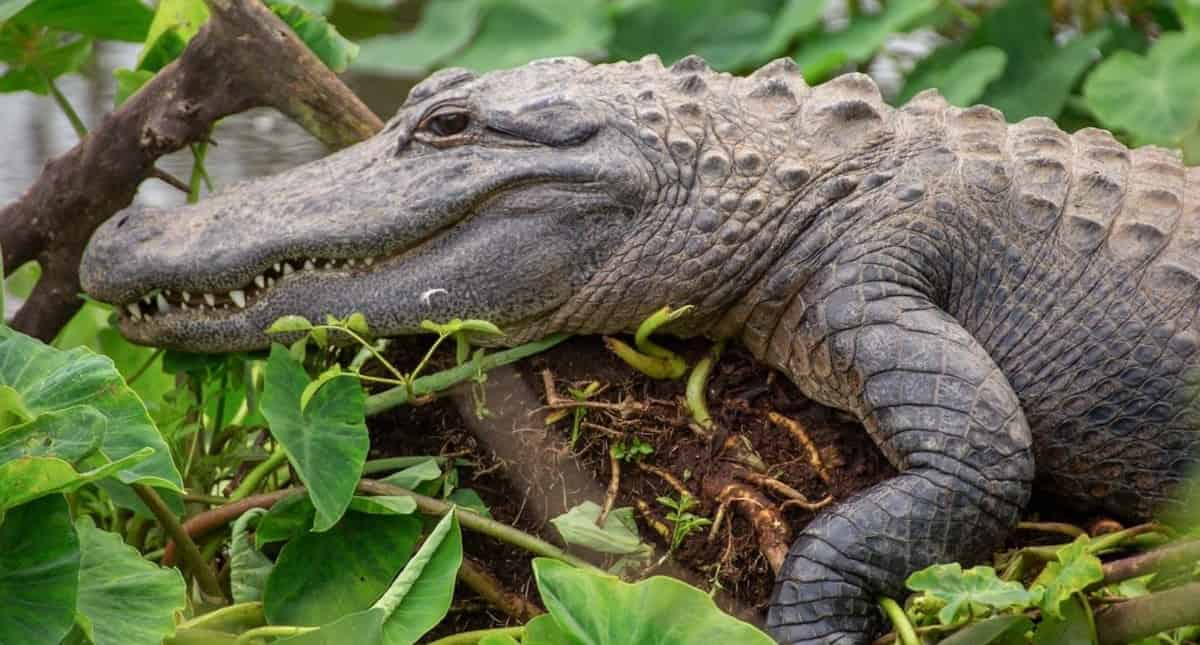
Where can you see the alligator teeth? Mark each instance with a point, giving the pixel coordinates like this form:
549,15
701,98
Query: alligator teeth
163,307
287,268
210,299
369,261
147,299
276,267
308,265
260,281
329,264
167,292
186,296
134,310
183,305
238,297
270,282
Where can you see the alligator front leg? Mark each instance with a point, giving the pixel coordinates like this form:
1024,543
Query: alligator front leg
946,417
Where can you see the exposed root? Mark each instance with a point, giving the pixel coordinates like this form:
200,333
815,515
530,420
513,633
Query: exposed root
797,431
671,480
774,534
794,497
614,484
657,525
482,582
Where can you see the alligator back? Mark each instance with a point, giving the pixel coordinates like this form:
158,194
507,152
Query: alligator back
1084,290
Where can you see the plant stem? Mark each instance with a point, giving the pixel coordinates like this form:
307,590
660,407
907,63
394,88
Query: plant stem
211,500
144,366
258,474
64,105
396,396
904,629
214,518
396,463
368,346
480,524
697,383
232,618
271,631
191,556
199,152
470,638
1175,555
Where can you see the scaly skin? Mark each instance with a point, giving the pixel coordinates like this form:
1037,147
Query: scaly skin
993,301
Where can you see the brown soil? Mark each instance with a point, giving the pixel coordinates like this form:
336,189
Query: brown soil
528,473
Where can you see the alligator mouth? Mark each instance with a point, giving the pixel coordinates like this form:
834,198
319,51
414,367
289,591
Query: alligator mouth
163,302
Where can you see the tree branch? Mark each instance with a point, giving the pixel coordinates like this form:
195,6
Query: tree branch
243,57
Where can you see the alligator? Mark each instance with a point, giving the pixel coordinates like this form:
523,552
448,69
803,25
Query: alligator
996,303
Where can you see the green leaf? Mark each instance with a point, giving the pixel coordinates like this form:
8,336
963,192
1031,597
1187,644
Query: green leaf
129,81
50,53
998,630
1153,97
1189,14
248,567
127,20
414,476
319,7
1074,570
184,16
384,505
326,441
28,478
728,34
322,577
796,17
964,592
357,323
469,499
1074,627
480,327
416,600
446,27
10,8
288,518
320,36
1039,74
52,380
961,77
285,324
618,536
39,572
602,610
513,32
126,599
821,55
498,639
324,377
70,435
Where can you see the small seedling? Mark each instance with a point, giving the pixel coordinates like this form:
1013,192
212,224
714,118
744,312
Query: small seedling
632,451
682,520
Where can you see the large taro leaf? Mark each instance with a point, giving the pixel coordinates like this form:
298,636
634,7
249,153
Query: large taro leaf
1075,626
965,592
127,20
321,577
820,56
124,599
998,630
446,27
1039,74
960,76
39,572
48,380
728,34
416,600
321,37
513,32
602,610
326,441
1153,97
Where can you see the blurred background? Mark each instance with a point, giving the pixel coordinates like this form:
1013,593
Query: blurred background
1131,66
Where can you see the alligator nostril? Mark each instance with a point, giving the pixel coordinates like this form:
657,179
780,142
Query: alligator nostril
121,222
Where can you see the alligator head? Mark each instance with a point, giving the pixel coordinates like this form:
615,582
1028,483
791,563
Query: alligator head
555,196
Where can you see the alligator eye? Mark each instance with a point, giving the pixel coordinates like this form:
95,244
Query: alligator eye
448,123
